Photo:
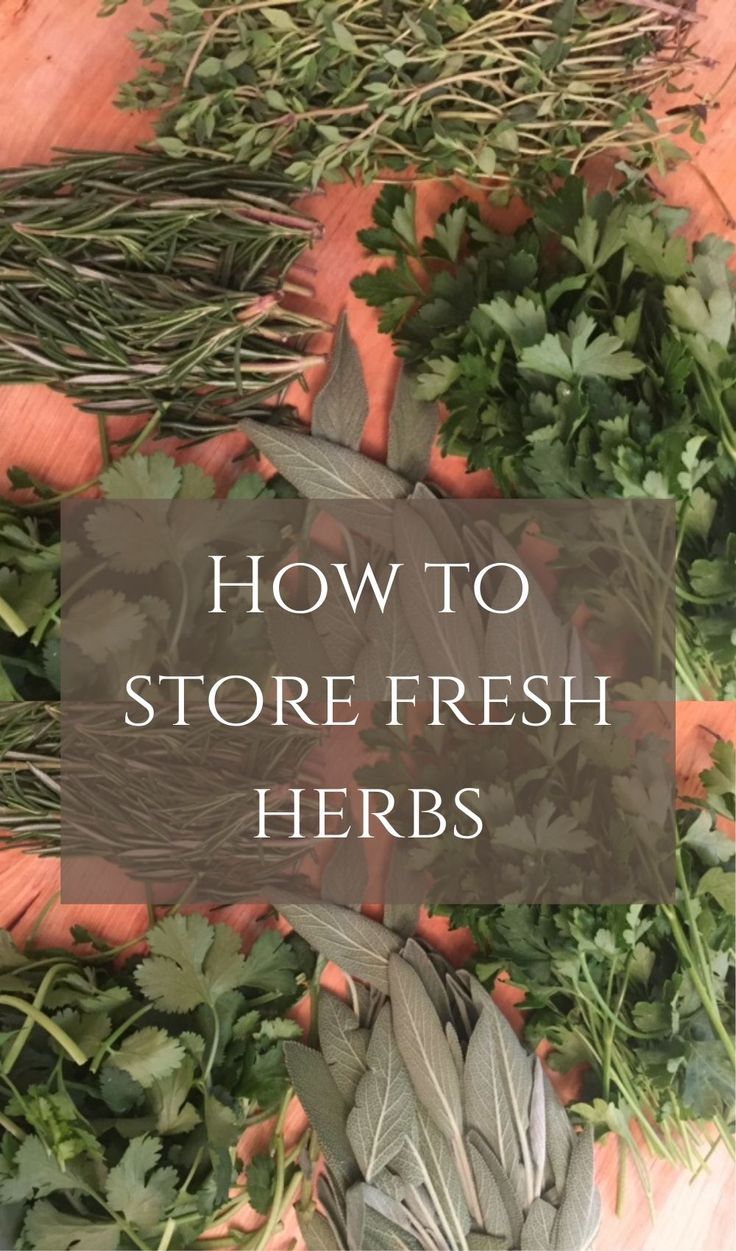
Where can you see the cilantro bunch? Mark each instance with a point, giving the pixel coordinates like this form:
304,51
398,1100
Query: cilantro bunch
30,556
642,995
124,1089
587,354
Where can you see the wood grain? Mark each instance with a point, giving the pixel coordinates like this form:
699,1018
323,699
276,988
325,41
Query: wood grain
59,69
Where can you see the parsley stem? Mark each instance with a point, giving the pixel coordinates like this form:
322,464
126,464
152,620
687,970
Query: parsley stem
706,998
52,1029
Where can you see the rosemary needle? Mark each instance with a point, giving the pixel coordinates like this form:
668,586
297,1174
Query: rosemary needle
139,285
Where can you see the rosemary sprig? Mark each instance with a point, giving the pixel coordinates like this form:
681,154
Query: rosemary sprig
30,759
522,90
136,285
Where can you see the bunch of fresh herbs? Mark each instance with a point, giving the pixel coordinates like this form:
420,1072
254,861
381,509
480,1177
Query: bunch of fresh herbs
30,557
142,286
125,1088
438,1129
586,354
522,91
643,996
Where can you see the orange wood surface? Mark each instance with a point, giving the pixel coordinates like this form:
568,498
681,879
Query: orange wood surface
59,69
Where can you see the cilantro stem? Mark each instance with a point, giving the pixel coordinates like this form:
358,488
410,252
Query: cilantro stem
13,621
39,999
109,1043
11,1128
41,1019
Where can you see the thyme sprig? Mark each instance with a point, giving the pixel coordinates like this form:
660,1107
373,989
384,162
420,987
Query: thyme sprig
520,90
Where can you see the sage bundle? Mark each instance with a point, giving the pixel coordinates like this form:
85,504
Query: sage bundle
519,90
438,1129
137,285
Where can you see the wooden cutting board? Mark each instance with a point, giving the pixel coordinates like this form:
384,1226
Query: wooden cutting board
59,69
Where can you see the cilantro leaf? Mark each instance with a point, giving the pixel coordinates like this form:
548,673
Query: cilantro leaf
143,1193
192,962
139,477
48,1229
148,1055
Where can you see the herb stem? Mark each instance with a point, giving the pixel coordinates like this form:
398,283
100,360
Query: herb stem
45,1023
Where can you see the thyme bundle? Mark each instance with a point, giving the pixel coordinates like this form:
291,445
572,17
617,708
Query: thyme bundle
521,90
137,285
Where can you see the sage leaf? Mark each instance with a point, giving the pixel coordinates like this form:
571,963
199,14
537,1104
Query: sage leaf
383,1110
424,1048
560,1137
538,1124
340,408
416,956
572,1225
323,470
445,642
317,1232
344,1044
505,1187
437,1164
326,1108
412,426
358,945
495,1214
498,1090
536,1232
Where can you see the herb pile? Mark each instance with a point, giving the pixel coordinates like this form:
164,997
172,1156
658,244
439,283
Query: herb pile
439,1131
643,995
137,285
521,90
30,558
124,1089
584,355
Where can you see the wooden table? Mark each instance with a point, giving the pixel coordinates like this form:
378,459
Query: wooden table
59,69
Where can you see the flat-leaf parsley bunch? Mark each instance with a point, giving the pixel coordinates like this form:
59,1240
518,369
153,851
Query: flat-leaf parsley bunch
587,354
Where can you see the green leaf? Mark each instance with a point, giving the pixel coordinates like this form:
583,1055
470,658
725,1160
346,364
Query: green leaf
325,1107
722,886
343,1043
382,1115
48,1229
139,477
340,408
270,965
191,962
355,943
195,484
148,1055
260,1180
653,251
322,470
36,1173
103,624
424,1049
412,426
143,1193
